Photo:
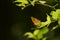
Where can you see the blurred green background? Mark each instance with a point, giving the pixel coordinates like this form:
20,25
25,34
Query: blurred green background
16,22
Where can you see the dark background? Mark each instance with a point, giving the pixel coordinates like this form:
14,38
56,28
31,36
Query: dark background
15,22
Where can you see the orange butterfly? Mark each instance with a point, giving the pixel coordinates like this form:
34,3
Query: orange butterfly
35,21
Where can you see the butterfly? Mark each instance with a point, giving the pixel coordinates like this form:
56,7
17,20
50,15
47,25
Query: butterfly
35,21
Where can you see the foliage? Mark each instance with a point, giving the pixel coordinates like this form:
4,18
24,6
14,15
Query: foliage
23,2
42,28
55,14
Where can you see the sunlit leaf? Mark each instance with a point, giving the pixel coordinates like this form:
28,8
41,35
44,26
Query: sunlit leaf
20,4
29,35
59,21
55,14
54,27
42,31
44,38
40,36
36,32
42,2
23,1
46,23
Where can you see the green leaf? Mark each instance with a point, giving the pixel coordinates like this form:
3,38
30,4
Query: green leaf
29,34
59,21
55,14
42,2
44,38
36,32
39,36
23,1
42,31
35,0
22,4
45,23
54,27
